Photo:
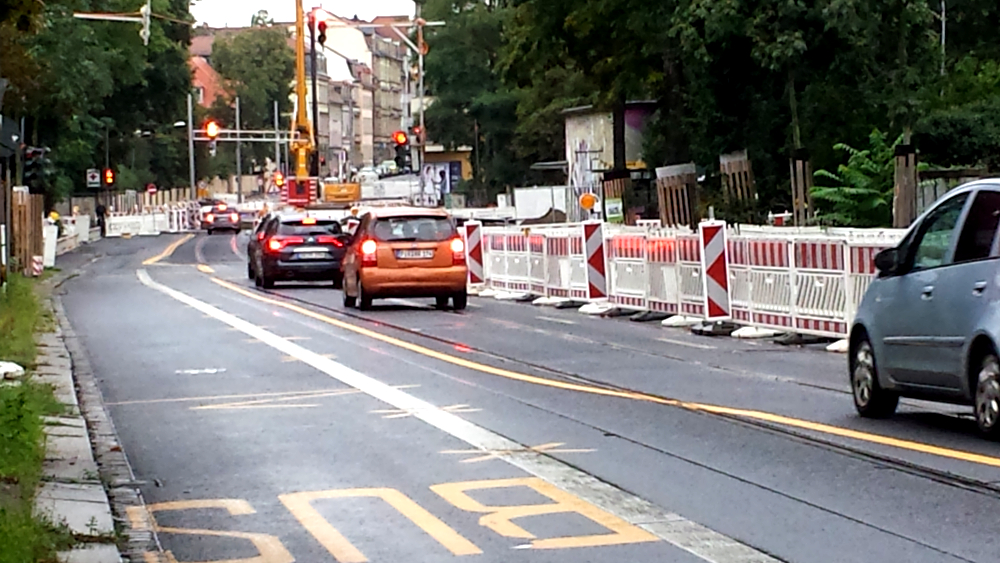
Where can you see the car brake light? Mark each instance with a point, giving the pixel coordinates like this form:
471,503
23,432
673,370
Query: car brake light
223,207
309,221
276,243
260,236
329,240
457,252
368,255
209,218
235,217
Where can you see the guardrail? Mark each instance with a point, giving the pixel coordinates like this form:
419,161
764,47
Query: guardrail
801,280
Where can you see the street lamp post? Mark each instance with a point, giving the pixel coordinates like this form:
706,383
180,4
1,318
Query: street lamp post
190,124
239,156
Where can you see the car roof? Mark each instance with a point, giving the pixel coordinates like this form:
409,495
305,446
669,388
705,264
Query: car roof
388,212
289,217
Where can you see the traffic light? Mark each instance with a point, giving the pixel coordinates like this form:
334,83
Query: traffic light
279,179
321,27
418,134
402,149
212,131
37,169
109,177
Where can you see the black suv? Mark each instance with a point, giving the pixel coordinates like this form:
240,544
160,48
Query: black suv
296,247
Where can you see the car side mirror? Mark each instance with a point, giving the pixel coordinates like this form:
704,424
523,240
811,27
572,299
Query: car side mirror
887,261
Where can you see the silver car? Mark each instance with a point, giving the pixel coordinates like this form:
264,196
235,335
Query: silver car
929,325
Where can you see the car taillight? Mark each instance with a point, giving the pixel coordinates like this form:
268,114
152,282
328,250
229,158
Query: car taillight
235,217
457,252
260,236
209,218
277,243
368,253
329,240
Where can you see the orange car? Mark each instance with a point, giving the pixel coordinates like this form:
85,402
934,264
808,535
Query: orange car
405,252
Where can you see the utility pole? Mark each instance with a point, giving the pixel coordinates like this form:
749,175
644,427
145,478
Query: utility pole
314,157
239,157
190,122
277,143
420,66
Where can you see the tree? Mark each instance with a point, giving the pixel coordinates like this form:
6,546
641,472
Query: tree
259,67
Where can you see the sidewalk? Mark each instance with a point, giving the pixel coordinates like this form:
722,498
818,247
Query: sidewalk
87,483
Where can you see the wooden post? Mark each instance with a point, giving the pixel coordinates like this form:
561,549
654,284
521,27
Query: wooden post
904,205
801,174
737,177
677,194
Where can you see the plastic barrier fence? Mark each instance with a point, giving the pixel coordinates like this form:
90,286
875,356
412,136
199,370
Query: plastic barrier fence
807,281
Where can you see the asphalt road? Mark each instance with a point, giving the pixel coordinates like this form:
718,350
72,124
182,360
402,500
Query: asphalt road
276,424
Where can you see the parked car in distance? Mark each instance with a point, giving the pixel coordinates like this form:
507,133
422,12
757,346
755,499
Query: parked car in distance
405,252
296,247
221,217
929,325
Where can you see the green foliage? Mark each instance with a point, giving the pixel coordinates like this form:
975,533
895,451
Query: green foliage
20,315
258,66
860,193
77,82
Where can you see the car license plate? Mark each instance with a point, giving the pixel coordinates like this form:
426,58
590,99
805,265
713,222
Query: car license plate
311,255
414,254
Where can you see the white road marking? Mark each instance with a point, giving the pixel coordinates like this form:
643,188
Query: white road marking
688,344
692,537
555,320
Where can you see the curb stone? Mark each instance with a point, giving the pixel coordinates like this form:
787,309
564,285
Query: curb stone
120,488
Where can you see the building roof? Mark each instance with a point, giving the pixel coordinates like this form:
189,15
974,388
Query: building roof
387,32
204,76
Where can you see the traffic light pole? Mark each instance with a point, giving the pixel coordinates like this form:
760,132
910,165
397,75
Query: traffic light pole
239,156
190,123
314,157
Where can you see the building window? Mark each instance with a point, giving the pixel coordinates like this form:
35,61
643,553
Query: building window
201,94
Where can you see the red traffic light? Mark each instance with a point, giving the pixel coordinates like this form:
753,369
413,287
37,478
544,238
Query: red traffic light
109,176
400,138
212,129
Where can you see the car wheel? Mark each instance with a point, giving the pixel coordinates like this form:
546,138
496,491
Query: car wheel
257,281
461,301
364,302
441,302
870,399
250,274
210,231
988,397
338,281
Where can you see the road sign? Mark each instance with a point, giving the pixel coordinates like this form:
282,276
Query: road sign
93,178
151,188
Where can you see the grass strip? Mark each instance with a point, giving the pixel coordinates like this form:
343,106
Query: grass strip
24,537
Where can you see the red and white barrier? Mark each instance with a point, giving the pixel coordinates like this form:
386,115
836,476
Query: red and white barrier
802,280
593,237
474,252
715,266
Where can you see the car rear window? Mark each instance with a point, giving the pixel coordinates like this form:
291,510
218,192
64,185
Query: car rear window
320,227
420,229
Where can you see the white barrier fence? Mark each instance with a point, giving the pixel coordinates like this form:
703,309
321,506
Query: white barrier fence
177,218
806,280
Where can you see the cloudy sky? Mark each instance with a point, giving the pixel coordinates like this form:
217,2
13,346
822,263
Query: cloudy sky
237,13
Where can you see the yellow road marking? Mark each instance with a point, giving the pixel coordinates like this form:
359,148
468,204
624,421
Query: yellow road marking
300,505
551,448
500,518
271,403
216,397
205,269
169,250
632,395
269,548
400,413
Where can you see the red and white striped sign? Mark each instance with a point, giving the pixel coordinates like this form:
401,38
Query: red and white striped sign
37,265
593,236
474,246
715,270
